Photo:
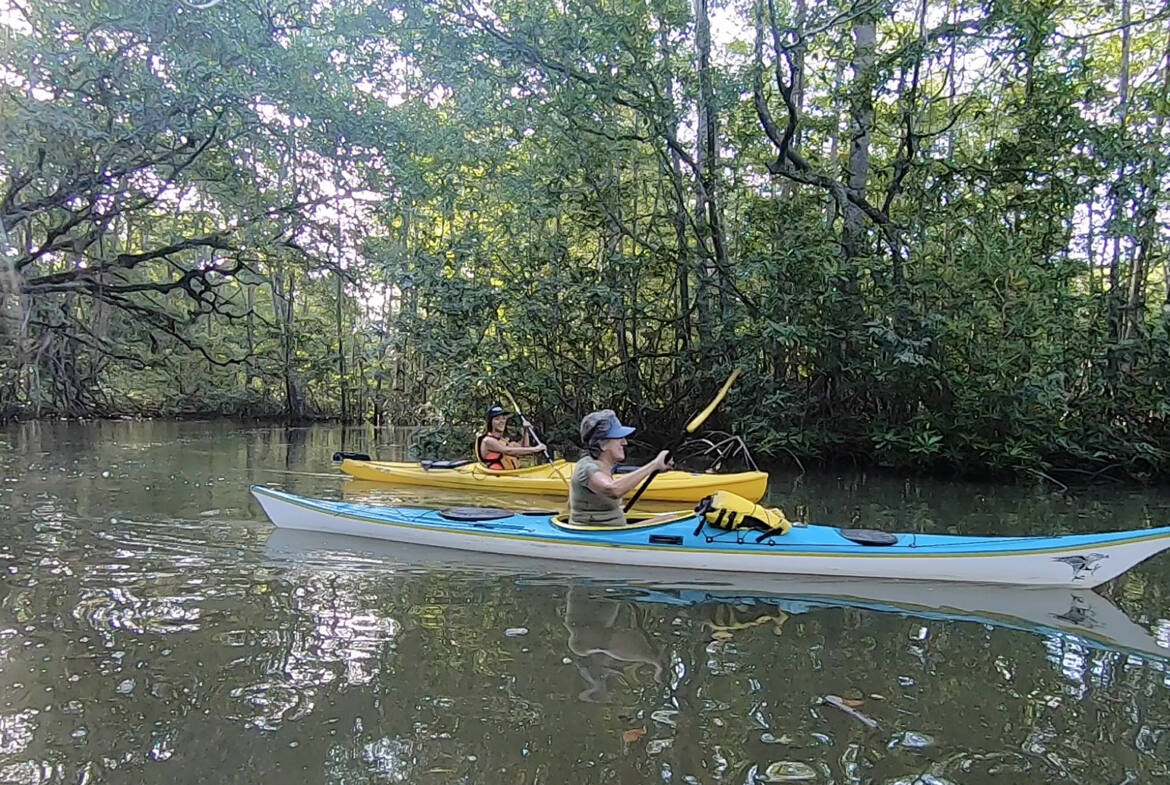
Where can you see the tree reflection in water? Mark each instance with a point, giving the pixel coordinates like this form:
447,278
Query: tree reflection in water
149,632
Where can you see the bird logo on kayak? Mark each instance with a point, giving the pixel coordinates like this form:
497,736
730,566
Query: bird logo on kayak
1082,566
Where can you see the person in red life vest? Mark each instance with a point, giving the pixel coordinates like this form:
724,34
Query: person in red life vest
495,451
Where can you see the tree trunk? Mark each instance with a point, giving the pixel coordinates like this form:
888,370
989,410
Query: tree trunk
679,219
295,401
798,68
835,138
703,109
283,308
1116,298
708,213
684,264
250,293
861,123
1147,224
1162,123
789,187
341,348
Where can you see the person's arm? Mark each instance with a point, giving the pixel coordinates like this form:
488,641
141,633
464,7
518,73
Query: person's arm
617,487
492,444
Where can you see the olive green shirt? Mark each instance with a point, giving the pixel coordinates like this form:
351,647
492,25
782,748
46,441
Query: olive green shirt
587,508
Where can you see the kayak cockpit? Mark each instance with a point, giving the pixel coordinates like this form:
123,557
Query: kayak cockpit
633,521
869,537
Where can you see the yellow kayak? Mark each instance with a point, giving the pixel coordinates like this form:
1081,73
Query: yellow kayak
548,480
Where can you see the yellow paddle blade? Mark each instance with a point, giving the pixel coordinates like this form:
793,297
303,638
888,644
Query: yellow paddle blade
512,401
702,416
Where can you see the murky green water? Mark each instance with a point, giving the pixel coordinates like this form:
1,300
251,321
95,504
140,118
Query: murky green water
151,630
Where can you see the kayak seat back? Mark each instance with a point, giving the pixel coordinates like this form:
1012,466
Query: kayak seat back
429,465
868,537
338,457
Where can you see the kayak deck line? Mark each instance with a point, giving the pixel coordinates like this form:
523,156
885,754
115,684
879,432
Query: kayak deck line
1075,560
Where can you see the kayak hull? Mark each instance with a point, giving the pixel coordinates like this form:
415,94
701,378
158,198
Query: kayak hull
1074,561
552,480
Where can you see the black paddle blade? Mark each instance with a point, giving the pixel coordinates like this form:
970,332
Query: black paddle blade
338,457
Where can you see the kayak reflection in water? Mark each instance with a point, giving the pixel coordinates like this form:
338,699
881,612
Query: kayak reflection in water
493,448
724,620
602,643
595,495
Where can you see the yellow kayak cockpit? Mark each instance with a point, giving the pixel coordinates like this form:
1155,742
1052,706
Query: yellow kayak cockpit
721,510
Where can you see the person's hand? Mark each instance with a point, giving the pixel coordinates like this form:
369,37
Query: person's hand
663,462
525,424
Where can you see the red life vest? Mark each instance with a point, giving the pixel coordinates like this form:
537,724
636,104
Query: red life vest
495,460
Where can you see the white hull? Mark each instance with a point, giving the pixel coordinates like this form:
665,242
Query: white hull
1103,561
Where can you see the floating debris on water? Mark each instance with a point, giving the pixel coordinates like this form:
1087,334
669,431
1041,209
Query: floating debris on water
787,771
912,740
838,703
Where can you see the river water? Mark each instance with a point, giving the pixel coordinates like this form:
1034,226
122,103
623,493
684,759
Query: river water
153,628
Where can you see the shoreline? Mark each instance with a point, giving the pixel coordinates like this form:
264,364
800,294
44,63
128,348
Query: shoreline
1059,481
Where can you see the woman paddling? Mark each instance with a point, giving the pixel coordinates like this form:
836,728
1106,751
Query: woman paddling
595,495
494,450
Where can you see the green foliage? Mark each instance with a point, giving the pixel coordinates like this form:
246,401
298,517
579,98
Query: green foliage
395,212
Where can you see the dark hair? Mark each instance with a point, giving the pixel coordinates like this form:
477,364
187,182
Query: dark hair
492,413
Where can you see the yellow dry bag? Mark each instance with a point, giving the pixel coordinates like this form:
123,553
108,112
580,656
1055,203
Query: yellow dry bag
725,510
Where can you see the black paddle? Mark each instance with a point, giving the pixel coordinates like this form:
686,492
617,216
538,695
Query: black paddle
690,428
531,429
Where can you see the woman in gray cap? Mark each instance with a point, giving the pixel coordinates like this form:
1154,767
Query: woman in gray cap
595,495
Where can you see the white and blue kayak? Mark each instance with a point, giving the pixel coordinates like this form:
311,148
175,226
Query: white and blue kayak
685,541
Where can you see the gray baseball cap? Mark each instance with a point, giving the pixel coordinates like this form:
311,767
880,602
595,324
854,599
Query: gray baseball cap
613,430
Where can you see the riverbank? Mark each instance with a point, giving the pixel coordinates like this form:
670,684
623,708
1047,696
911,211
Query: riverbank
1061,473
